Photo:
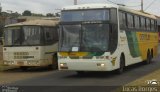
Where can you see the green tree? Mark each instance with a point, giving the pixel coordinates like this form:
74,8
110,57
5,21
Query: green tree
27,13
57,14
38,15
50,15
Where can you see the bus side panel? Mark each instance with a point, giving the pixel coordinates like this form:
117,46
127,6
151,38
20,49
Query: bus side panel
140,42
147,41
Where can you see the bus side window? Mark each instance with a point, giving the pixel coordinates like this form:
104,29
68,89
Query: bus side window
137,22
148,26
113,16
143,23
130,20
152,25
122,20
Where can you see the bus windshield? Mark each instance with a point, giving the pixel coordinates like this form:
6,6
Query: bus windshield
87,37
95,37
85,15
31,35
26,35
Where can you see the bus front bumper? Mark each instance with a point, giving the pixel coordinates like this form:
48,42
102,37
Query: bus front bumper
24,63
86,66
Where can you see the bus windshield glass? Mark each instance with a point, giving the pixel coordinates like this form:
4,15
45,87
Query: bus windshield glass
95,37
85,15
12,36
31,35
70,37
19,36
88,37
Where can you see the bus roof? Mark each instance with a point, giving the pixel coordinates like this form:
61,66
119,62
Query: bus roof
39,22
99,6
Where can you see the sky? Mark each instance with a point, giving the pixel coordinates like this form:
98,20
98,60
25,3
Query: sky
52,6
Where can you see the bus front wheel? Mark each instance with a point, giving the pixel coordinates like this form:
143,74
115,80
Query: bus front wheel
121,65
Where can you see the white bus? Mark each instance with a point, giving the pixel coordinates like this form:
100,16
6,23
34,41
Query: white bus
105,37
31,43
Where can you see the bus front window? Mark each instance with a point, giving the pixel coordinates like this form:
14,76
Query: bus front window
12,36
95,37
22,36
31,35
70,37
86,37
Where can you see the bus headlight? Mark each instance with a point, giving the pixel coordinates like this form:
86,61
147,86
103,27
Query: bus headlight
100,64
63,66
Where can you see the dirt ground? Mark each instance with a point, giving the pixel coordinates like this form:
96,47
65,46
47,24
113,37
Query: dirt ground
18,75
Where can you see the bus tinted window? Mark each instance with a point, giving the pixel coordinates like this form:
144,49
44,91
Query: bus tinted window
155,25
85,15
152,25
143,23
148,26
122,20
130,20
136,20
113,17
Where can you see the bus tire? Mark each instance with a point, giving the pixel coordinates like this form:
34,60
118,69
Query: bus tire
24,68
152,54
121,65
149,58
54,64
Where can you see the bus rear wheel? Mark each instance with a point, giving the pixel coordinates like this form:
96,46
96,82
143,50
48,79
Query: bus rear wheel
149,58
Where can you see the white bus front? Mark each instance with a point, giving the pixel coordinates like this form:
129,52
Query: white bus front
88,38
29,45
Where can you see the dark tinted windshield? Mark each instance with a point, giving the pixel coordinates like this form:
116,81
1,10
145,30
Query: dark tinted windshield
85,15
70,37
89,37
95,37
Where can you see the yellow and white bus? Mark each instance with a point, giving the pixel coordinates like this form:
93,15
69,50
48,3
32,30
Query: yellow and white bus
31,43
105,37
